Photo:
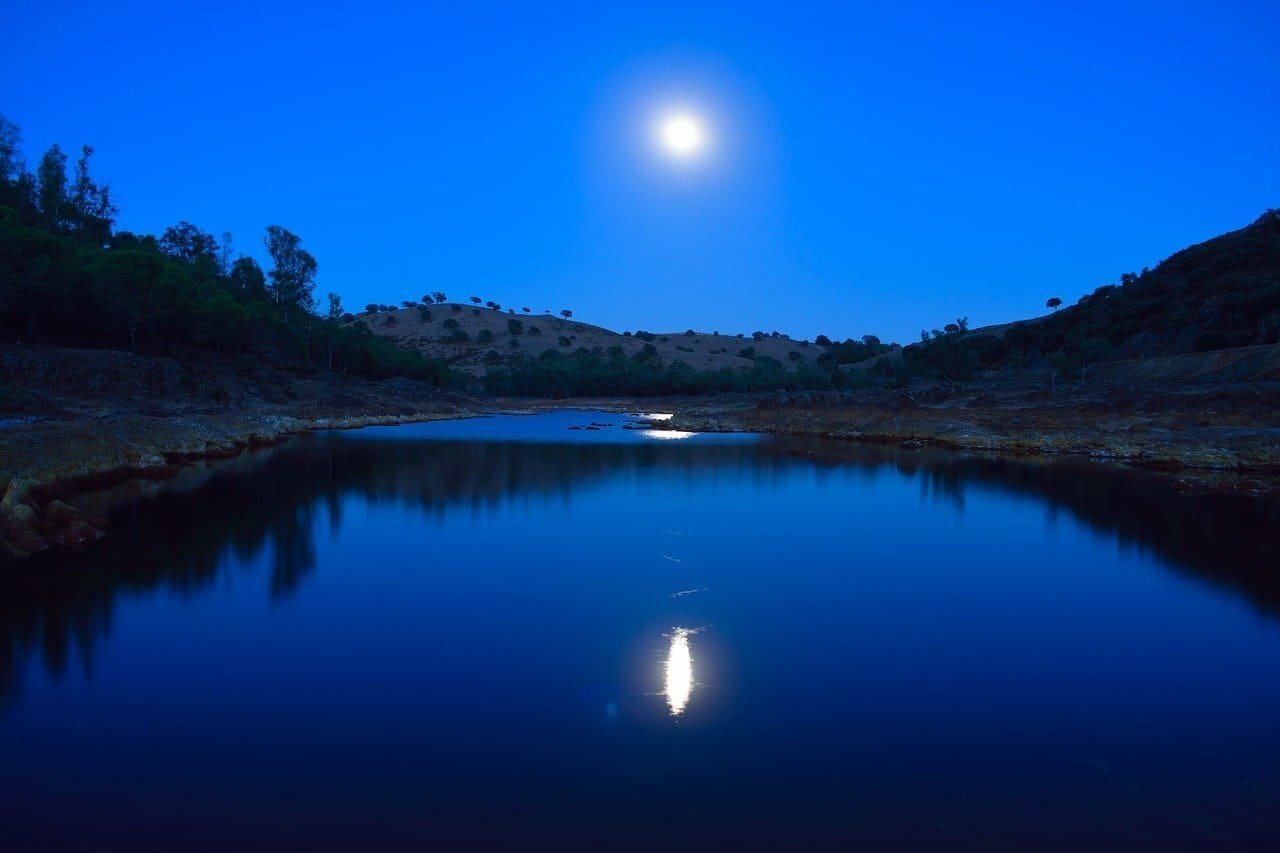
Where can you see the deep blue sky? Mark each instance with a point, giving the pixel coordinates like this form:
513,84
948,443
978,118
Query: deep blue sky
878,167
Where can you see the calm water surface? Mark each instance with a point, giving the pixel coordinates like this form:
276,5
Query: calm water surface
507,632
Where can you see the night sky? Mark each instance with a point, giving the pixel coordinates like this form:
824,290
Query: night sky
873,167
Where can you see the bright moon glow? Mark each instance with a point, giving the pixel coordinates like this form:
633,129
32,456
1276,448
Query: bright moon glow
682,135
679,672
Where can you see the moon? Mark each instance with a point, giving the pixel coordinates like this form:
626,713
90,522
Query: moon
682,135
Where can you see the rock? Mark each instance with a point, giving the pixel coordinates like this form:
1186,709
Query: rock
81,532
61,514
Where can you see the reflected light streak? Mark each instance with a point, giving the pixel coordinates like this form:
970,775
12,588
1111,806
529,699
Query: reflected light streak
679,672
667,434
658,416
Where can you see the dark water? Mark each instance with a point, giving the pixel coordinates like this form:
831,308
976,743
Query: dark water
504,632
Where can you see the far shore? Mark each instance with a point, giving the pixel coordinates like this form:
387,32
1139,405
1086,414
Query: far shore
69,441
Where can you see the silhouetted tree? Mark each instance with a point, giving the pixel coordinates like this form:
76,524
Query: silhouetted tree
91,203
190,245
248,279
1053,303
293,276
51,189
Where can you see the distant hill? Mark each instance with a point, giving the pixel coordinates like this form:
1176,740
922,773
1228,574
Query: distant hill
476,339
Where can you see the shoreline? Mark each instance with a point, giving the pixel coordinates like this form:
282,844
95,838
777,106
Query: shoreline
47,461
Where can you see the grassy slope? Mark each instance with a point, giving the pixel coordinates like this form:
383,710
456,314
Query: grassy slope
704,351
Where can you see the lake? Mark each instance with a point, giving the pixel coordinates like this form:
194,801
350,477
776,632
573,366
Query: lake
564,631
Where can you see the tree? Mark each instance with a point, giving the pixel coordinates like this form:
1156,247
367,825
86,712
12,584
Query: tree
51,189
17,185
91,203
525,310
440,297
11,163
248,279
951,329
224,255
822,341
963,323
190,245
476,300
566,313
335,307
1053,303
293,276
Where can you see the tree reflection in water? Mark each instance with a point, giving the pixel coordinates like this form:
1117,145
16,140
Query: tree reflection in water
275,499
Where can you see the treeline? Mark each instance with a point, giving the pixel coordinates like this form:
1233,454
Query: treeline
67,277
587,373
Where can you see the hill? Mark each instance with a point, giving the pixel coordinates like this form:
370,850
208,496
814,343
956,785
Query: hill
475,340
1217,295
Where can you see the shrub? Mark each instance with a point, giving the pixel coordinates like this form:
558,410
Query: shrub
515,327
450,323
485,336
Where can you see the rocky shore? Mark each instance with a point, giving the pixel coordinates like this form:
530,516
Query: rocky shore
72,422
1224,438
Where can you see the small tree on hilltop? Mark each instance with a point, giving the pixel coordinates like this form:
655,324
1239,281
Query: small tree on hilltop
525,310
1053,303
566,313
476,300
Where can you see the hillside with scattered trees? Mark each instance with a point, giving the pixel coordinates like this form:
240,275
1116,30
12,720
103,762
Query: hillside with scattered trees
1219,294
